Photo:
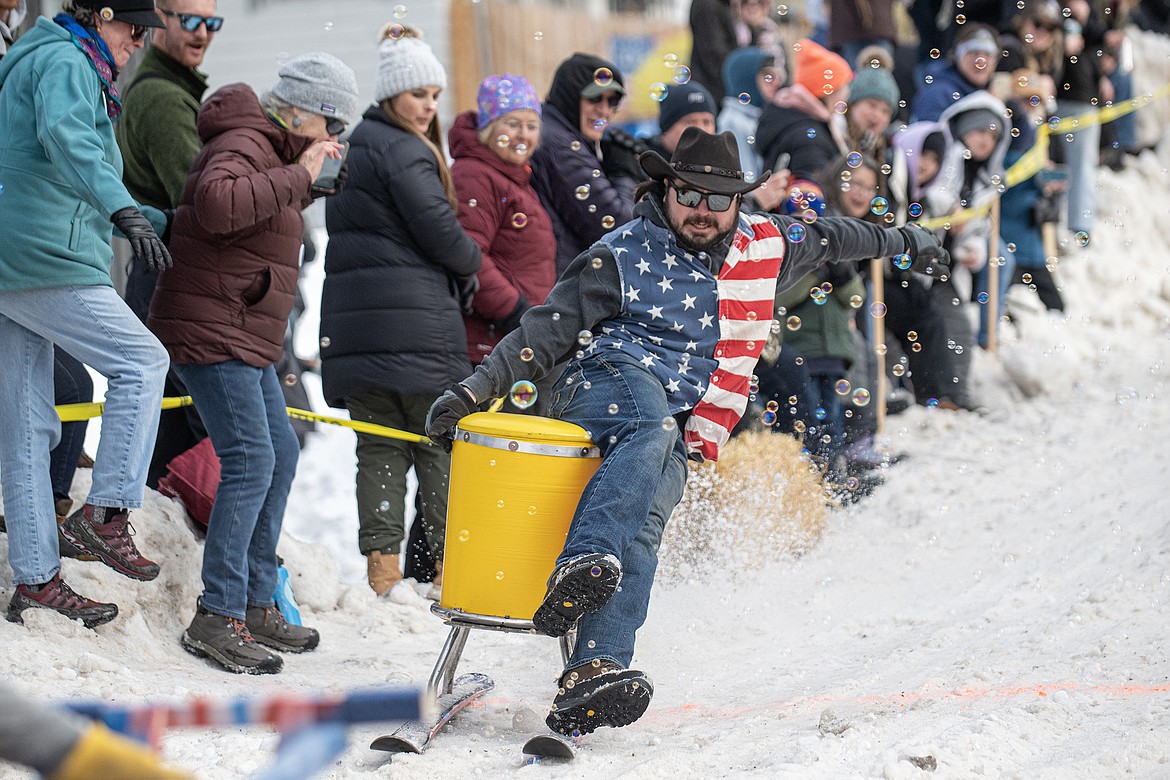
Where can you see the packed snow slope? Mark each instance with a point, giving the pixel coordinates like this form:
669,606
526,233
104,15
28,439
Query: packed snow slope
997,609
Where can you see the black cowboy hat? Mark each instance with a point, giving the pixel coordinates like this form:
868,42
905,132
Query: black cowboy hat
140,12
709,162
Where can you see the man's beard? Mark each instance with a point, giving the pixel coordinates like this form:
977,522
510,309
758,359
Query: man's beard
696,243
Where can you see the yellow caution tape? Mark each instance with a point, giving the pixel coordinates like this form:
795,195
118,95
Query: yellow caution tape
87,411
359,426
78,412
1034,160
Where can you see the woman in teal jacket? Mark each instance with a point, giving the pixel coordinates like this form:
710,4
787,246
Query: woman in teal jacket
61,196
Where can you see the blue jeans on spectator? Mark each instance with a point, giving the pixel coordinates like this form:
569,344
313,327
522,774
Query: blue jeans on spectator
1124,126
1082,154
96,327
244,411
624,507
71,385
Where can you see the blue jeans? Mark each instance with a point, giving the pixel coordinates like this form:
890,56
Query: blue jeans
244,411
624,507
71,385
1082,154
97,328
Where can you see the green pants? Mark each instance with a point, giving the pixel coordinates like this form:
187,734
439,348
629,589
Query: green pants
382,465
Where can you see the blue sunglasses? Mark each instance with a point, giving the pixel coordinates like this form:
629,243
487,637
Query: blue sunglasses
191,22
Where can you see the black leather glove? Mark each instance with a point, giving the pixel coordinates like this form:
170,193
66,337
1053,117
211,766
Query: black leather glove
144,242
447,410
620,150
512,321
927,255
465,289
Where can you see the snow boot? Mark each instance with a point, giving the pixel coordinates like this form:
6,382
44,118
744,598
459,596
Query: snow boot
106,533
59,597
582,584
383,572
599,693
269,627
66,549
229,643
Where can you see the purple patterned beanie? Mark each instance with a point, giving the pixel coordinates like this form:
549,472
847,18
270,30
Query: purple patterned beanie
503,93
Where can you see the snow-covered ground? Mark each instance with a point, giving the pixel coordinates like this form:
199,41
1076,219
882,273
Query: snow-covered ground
997,609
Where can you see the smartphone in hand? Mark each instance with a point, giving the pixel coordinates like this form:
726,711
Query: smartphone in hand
326,182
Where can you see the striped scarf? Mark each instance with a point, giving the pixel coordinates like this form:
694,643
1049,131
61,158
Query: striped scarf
747,293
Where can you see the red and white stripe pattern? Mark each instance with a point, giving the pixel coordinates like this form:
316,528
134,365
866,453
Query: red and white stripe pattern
747,295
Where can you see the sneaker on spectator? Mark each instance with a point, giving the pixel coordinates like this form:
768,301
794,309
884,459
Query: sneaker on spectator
269,627
60,598
229,643
105,533
66,548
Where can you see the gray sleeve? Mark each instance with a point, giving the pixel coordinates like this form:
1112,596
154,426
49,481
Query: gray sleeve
33,734
588,292
833,240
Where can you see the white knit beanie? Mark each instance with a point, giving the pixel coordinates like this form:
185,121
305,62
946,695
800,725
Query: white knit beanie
405,63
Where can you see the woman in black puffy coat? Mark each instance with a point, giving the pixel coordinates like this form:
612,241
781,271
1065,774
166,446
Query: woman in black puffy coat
567,172
400,271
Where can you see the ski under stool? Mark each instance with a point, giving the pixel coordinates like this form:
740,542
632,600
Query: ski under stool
515,483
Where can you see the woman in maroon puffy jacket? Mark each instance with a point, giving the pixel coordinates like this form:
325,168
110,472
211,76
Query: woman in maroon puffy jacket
222,313
500,210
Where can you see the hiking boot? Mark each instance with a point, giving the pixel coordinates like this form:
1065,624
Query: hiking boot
599,693
583,584
229,643
383,572
106,533
59,597
66,549
269,627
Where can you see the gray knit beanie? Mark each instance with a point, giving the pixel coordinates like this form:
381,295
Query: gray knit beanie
320,83
406,63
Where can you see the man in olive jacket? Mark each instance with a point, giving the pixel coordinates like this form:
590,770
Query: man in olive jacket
156,134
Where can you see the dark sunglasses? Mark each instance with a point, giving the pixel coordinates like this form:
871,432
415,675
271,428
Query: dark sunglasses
692,198
191,22
613,98
138,32
334,126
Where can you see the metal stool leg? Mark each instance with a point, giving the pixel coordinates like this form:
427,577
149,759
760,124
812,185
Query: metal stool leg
568,643
444,672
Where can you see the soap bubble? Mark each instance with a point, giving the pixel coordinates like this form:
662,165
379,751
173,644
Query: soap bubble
902,262
681,74
658,91
603,77
796,232
523,394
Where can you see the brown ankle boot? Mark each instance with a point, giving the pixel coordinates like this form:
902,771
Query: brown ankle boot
382,571
438,580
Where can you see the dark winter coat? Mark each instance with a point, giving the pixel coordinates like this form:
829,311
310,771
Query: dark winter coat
502,213
561,168
390,318
786,130
946,86
713,31
236,238
852,21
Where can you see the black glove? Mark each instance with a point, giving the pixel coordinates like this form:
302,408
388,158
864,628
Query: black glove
144,242
465,289
619,160
927,255
512,321
447,410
